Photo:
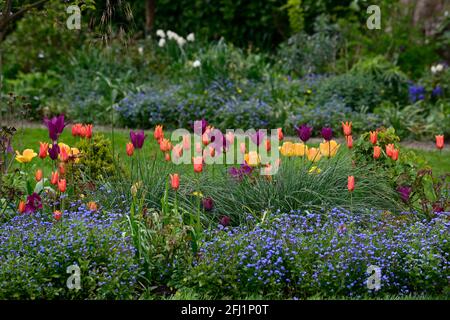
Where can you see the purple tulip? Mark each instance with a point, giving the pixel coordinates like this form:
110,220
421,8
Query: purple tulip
55,126
137,138
225,221
258,137
200,123
236,173
405,192
208,203
327,133
53,151
246,169
304,132
34,203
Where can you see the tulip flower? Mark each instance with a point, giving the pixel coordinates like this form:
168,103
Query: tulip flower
287,149
26,156
304,132
158,133
300,149
373,137
208,204
225,221
394,155
351,183
92,206
198,148
130,149
203,124
268,145
88,133
252,159
62,169
38,175
327,133
440,142
229,136
405,193
53,151
205,138
329,148
55,126
76,128
177,150
54,179
198,164
389,148
43,150
57,215
137,139
243,148
63,154
280,134
186,142
62,185
21,207
175,181
349,141
376,152
313,154
258,137
82,131
34,203
165,145
347,128
167,156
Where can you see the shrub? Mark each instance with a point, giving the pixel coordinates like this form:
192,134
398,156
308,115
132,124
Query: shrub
301,254
35,253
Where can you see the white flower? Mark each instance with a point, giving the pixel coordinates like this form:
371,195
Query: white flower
196,63
162,42
190,37
41,55
141,50
160,33
181,41
433,69
171,35
439,67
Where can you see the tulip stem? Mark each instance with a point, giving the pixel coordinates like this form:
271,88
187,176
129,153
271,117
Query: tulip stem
351,202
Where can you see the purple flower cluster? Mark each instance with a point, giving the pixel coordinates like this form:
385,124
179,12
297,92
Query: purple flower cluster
416,93
36,251
303,254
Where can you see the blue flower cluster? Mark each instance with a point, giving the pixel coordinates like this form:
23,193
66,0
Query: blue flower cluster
416,93
303,254
35,253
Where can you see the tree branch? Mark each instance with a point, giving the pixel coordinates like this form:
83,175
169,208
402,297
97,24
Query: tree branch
19,13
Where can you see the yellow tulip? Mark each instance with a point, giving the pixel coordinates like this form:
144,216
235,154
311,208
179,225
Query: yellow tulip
300,149
252,158
287,149
329,148
313,154
26,156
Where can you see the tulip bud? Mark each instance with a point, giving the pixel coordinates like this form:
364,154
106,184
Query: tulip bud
54,179
92,206
351,183
21,206
349,141
130,149
376,152
38,175
57,215
175,181
62,185
440,142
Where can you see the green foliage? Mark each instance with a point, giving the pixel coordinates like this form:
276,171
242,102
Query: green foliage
295,13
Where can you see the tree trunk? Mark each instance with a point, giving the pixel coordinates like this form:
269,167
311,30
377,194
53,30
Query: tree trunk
150,6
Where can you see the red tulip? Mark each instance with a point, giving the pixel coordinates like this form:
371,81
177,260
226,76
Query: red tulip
389,148
373,137
268,145
280,134
351,183
43,150
62,169
88,133
349,141
55,178
175,181
130,149
167,156
159,133
376,152
198,164
394,155
440,142
57,215
347,128
62,185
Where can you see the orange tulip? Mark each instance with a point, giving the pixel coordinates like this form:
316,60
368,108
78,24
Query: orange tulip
55,178
21,206
440,142
62,169
349,141
268,145
351,183
62,185
159,133
178,150
43,150
130,149
38,175
92,206
167,156
165,145
175,181
389,148
57,215
64,154
280,134
376,152
394,155
198,164
347,128
88,131
373,137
